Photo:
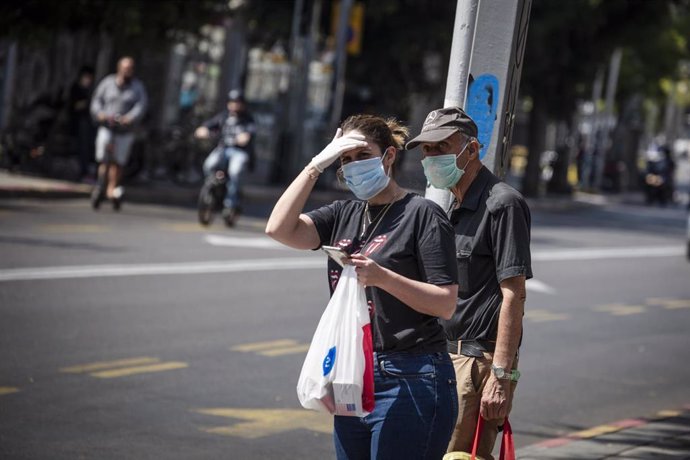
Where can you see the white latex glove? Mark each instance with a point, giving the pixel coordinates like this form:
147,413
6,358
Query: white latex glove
339,145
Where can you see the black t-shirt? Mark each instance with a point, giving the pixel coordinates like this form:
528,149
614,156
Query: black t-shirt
413,239
492,236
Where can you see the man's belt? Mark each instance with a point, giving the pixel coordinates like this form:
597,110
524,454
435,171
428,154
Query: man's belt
473,348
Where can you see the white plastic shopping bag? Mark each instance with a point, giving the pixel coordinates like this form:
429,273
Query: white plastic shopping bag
337,374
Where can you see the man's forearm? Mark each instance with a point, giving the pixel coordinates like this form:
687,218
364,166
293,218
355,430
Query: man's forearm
510,321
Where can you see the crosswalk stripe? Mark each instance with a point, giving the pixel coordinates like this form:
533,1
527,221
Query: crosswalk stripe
260,346
621,309
670,304
261,242
168,366
74,228
541,316
669,413
85,368
286,350
8,390
596,431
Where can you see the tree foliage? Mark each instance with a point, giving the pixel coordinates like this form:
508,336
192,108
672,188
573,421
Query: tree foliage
152,22
568,42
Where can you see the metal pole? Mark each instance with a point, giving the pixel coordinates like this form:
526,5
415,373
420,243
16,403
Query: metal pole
611,86
341,60
458,74
461,53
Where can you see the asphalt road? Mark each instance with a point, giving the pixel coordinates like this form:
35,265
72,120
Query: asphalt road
141,335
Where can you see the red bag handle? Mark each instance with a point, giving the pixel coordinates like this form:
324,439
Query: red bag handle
507,445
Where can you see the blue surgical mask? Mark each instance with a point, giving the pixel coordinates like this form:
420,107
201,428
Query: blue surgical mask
366,178
442,170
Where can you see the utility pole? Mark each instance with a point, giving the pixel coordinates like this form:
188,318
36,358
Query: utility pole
340,63
458,74
494,75
603,141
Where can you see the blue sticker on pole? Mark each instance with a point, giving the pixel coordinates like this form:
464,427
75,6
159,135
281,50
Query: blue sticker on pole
328,361
482,101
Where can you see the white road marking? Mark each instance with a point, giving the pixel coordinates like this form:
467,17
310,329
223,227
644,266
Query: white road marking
539,286
231,241
186,268
564,255
292,263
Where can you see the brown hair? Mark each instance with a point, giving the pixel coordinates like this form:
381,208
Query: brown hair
385,132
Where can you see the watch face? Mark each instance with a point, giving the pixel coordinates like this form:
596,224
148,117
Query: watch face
499,372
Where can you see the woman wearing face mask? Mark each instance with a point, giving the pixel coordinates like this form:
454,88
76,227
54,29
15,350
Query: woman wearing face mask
403,248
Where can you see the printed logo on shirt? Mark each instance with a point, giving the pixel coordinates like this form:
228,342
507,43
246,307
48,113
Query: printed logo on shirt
372,308
333,278
344,244
376,244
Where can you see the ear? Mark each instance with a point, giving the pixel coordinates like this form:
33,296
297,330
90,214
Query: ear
473,150
391,154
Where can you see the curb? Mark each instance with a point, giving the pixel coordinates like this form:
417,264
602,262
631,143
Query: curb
564,444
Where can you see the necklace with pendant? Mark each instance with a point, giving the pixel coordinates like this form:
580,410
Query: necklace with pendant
367,220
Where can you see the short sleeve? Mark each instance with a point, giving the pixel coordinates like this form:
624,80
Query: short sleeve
324,219
436,249
510,237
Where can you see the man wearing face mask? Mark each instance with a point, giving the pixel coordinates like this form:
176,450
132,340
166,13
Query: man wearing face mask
492,236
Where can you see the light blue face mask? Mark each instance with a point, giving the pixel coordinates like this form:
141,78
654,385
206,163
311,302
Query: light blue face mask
442,170
366,178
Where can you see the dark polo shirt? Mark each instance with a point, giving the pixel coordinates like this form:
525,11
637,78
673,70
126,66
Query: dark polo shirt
492,237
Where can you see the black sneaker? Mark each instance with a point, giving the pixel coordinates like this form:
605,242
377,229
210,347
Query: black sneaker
229,216
96,197
117,198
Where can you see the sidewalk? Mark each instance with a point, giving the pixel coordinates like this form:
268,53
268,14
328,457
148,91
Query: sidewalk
259,199
664,436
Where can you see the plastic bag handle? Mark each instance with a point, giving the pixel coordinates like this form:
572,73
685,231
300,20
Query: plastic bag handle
507,444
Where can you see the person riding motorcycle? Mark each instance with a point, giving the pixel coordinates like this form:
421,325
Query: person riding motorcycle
235,148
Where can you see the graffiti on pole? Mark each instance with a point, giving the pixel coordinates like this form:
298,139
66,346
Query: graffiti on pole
482,102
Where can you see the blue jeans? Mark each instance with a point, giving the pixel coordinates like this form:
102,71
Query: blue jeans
416,410
236,160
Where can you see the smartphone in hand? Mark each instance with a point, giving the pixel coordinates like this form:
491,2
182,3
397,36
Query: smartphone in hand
336,254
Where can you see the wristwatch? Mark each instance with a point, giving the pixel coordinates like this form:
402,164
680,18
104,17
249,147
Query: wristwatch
501,373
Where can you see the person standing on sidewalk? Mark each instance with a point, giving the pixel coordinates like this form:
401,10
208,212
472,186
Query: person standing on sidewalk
402,248
492,236
118,104
82,125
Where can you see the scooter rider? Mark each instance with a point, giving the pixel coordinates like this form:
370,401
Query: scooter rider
118,104
235,148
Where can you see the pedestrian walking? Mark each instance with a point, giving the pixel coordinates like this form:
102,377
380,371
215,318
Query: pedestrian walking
492,244
80,117
402,247
119,103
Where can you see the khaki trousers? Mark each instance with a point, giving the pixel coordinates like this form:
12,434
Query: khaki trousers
472,375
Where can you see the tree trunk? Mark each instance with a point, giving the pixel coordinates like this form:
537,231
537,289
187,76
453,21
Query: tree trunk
559,181
537,127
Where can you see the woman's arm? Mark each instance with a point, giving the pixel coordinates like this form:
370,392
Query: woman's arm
286,223
423,297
